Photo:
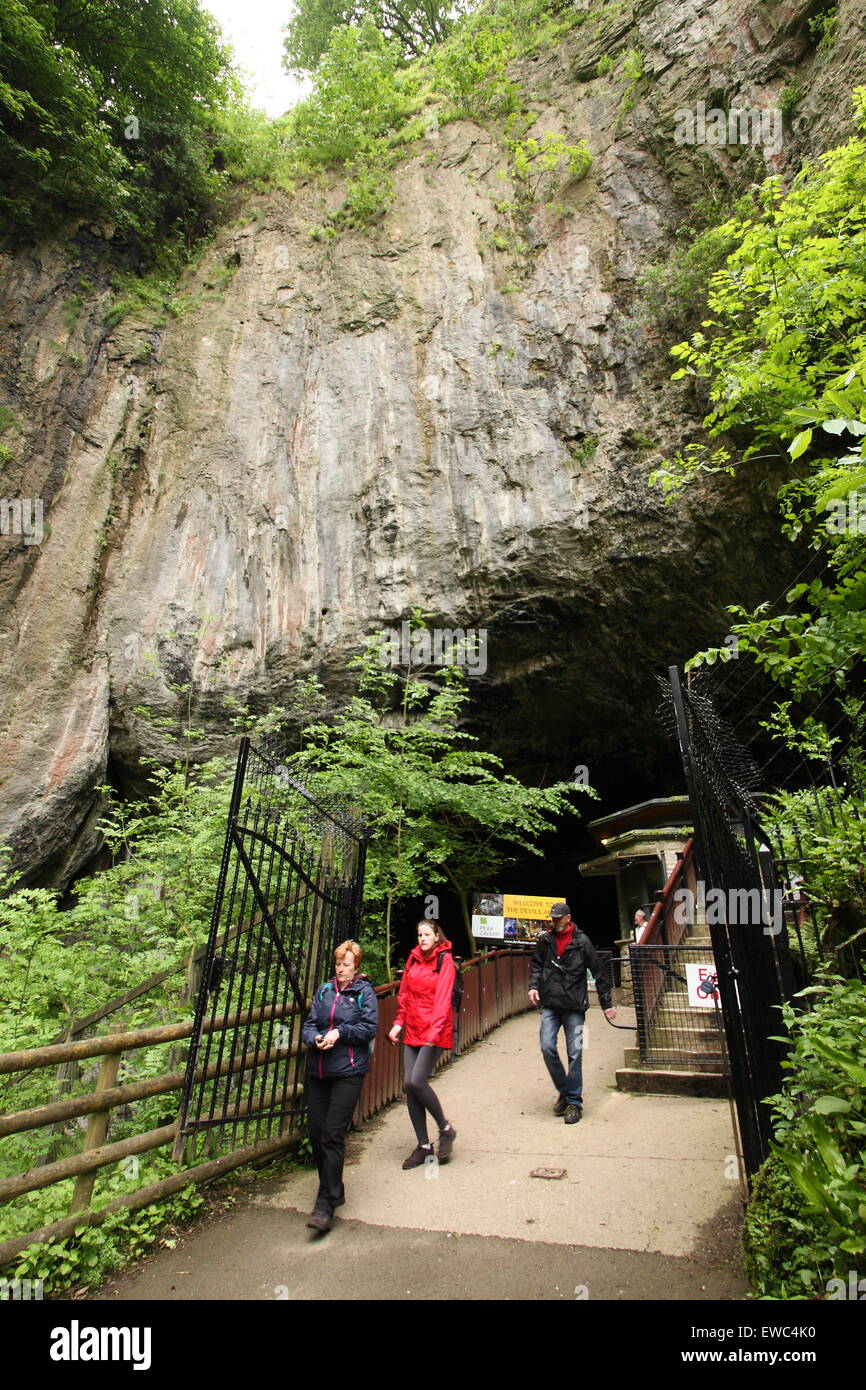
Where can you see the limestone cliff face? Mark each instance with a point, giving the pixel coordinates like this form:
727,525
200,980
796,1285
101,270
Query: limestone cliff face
334,431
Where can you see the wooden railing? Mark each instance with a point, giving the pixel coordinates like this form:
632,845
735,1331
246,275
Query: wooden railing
665,927
495,988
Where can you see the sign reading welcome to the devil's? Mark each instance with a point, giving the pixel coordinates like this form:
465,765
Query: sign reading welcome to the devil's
511,916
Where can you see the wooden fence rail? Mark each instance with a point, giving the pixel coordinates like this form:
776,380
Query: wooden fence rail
495,987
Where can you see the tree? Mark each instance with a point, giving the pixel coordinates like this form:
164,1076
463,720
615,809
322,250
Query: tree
439,810
107,111
414,25
784,353
472,68
355,98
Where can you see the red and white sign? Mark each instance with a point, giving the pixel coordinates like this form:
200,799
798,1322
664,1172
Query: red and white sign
695,974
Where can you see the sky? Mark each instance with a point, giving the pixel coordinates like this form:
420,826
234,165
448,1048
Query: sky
254,28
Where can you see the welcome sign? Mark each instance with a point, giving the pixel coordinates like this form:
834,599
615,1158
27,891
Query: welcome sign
511,916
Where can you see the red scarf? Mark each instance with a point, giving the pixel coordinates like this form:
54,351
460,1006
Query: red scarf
562,939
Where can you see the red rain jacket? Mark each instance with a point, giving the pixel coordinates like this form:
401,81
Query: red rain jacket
424,1006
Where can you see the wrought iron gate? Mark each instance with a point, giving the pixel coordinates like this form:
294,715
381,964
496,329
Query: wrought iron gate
748,923
289,889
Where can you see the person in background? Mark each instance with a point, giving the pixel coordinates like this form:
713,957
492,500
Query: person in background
557,981
338,1032
426,1021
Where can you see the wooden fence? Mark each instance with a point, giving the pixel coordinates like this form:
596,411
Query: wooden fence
495,988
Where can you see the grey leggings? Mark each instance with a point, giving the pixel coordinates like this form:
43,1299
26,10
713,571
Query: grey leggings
418,1063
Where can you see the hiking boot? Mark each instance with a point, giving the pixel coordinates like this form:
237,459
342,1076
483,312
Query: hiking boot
418,1156
572,1114
320,1220
446,1140
559,1107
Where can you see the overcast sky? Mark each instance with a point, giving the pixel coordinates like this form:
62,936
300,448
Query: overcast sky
254,28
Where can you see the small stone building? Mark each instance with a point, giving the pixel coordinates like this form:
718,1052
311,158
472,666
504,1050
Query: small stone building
639,848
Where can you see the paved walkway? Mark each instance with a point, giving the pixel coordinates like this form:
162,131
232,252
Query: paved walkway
647,1207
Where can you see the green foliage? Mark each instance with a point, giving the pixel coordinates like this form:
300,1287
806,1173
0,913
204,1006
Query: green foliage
790,98
533,161
252,149
781,1236
823,27
7,422
355,99
818,1227
439,810
585,449
128,921
413,25
825,832
470,68
632,66
106,115
85,1258
71,310
606,64
688,464
368,193
674,290
784,356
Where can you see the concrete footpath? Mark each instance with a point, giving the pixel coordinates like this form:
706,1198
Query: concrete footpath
647,1209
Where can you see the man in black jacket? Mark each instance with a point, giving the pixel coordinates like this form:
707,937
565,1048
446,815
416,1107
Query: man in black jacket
557,981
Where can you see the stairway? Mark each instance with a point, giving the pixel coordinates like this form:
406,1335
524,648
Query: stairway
684,1049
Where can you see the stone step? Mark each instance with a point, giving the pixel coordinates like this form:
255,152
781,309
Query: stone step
671,1011
658,1082
667,1057
673,1022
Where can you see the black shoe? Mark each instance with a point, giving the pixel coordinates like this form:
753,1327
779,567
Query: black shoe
572,1114
559,1107
418,1156
446,1140
320,1220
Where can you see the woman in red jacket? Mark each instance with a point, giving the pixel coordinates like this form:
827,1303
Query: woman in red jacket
425,1018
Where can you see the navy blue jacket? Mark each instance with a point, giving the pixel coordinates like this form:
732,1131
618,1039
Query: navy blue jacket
354,1012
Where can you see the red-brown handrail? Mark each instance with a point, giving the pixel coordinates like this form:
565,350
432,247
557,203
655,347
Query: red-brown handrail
651,984
660,912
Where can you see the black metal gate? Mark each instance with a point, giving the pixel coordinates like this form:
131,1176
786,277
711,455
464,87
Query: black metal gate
744,903
289,889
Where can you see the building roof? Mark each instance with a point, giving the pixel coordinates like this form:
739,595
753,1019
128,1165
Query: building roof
663,811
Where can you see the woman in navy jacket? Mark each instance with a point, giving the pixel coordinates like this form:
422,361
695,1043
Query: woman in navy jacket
338,1032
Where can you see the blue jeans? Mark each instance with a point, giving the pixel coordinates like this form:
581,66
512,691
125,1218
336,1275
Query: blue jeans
571,1086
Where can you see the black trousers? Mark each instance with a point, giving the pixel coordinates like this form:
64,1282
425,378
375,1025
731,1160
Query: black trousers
331,1102
418,1064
